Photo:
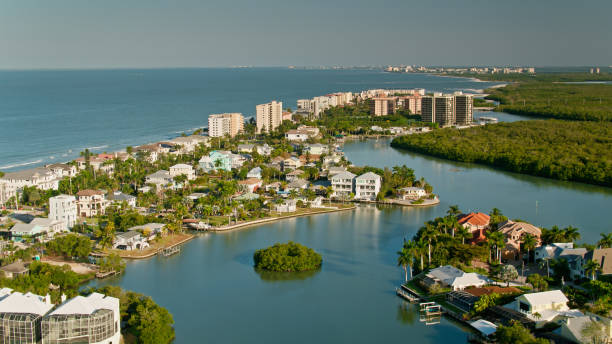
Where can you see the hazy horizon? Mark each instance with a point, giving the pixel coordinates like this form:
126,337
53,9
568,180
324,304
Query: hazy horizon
114,34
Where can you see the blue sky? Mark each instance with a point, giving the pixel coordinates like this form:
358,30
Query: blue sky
213,33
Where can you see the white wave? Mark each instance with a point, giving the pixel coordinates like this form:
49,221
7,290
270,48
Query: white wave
97,147
21,164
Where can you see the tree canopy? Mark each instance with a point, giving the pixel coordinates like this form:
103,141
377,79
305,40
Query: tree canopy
289,257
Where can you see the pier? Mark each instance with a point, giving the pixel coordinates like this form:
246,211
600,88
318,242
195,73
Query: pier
168,251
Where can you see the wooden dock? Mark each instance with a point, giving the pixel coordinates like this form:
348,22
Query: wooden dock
168,251
105,274
408,294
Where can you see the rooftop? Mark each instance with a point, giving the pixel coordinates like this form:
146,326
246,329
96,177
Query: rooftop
25,304
476,219
90,192
87,305
546,297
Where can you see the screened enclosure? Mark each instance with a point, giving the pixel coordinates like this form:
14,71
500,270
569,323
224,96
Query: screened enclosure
19,328
78,328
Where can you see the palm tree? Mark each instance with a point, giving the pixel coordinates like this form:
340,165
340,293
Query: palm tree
496,239
453,210
529,243
420,249
462,233
405,257
605,241
429,234
592,268
571,234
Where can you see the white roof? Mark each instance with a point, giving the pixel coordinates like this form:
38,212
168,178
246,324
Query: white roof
546,297
43,221
87,305
369,176
181,166
485,327
25,304
469,279
344,175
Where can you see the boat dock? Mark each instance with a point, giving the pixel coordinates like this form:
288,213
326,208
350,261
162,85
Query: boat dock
101,275
168,251
408,294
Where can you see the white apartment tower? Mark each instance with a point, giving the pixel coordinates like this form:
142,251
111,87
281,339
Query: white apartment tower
63,208
223,124
269,116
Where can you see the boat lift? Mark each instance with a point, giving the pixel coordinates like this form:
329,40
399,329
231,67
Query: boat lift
430,313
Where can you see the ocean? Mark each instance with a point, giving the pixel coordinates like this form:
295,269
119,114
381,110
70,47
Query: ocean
52,115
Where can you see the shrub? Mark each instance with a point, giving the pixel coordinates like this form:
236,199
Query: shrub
287,257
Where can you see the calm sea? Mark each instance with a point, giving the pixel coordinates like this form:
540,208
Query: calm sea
51,116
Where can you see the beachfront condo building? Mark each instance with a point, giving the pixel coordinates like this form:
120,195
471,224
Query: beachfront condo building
382,106
63,208
464,112
447,110
225,124
269,116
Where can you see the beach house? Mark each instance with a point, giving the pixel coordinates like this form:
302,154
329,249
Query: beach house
343,184
63,208
182,169
514,233
367,186
91,203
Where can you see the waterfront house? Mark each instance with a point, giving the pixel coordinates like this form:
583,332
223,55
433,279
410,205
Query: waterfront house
333,170
188,144
118,197
131,240
450,277
514,233
63,208
412,193
477,224
574,256
543,306
302,133
182,169
62,170
343,184
288,206
367,186
293,175
21,315
150,152
160,179
572,328
153,227
250,184
291,163
297,185
254,173
91,203
603,257
14,269
92,319
40,177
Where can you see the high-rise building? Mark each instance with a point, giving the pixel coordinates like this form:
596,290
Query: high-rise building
382,106
445,115
464,112
269,116
428,114
225,124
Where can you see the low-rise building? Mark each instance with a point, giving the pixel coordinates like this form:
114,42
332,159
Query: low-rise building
514,233
316,149
250,184
131,240
543,306
91,203
603,257
412,192
293,175
573,329
288,206
51,226
91,319
27,231
14,269
297,185
40,177
118,197
254,173
477,224
343,184
188,144
62,170
302,133
21,316
160,179
182,169
450,277
63,208
367,186
291,163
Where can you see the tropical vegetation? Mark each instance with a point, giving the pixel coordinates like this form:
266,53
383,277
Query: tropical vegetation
564,150
289,257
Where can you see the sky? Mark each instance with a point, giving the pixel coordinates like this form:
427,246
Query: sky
38,34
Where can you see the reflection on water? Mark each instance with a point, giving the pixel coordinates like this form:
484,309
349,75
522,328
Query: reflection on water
275,276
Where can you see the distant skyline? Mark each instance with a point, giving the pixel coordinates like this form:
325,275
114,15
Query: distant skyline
76,34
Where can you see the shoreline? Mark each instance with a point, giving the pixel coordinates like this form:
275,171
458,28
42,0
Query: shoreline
234,227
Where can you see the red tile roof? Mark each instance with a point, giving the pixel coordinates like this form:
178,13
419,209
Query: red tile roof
492,289
475,219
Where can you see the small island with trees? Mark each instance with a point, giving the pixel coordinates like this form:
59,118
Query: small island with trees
289,257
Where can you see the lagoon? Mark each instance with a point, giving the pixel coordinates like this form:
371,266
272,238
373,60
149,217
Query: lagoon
216,296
